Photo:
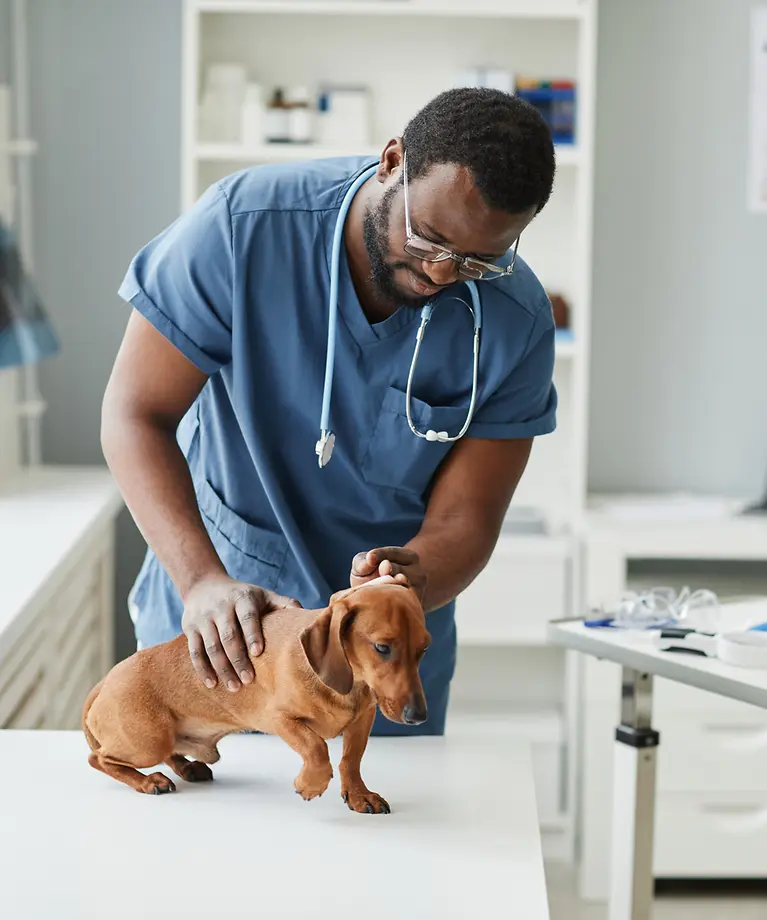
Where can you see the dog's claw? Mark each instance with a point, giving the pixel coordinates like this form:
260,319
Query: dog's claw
366,803
163,790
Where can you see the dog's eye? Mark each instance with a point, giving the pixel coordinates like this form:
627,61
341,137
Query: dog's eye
383,650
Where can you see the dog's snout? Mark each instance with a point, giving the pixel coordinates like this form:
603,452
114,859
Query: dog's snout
415,712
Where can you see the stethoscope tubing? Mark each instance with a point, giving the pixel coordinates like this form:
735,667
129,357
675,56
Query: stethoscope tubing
324,447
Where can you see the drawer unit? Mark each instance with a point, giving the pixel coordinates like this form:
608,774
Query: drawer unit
48,669
75,669
22,679
713,753
525,584
707,834
672,697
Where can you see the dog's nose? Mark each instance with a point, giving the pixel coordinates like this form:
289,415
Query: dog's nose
415,712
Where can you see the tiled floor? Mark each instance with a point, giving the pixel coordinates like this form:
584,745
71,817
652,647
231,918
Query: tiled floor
565,904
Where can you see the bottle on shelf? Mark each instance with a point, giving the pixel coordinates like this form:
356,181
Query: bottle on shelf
300,115
277,119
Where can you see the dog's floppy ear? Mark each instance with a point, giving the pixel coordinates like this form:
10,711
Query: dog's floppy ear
324,647
340,595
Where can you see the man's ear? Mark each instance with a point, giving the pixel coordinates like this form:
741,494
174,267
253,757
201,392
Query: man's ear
324,648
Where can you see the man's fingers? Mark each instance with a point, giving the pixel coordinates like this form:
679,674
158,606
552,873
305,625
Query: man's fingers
398,554
200,660
362,567
230,631
249,617
391,568
214,647
278,600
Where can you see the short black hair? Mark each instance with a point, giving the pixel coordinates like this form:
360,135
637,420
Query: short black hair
502,140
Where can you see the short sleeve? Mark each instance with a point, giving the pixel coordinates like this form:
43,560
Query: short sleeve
182,282
525,404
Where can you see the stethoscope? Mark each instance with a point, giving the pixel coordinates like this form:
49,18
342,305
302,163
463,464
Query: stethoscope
326,443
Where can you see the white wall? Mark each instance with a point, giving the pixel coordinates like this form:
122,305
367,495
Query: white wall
679,377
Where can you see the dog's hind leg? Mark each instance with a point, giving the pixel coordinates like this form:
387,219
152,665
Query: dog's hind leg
154,784
191,770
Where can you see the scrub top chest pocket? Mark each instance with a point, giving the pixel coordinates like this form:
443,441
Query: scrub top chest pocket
395,457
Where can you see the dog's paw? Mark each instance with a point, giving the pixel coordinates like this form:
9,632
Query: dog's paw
158,784
312,783
197,772
364,802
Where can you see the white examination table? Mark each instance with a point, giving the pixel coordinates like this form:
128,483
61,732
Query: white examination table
462,840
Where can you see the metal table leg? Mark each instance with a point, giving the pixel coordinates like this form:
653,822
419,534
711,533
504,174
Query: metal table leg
636,746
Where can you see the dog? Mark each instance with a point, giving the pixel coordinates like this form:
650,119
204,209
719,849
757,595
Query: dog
322,673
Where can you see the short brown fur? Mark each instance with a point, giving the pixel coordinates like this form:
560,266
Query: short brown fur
319,676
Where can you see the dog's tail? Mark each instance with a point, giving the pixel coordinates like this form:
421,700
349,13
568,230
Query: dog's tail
94,745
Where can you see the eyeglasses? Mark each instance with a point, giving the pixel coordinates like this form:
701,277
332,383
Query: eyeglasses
426,251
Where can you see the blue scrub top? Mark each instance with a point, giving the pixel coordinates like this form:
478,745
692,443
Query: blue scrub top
239,284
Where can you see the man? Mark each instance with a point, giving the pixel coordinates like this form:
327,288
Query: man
212,412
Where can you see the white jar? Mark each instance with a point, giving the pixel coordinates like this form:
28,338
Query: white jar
253,116
300,115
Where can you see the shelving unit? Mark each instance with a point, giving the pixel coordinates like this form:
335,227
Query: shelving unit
21,406
531,578
567,155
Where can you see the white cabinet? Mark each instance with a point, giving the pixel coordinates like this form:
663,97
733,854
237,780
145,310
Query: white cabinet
714,835
711,805
527,583
56,593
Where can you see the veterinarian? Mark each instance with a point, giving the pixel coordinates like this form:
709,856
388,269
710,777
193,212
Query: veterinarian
213,421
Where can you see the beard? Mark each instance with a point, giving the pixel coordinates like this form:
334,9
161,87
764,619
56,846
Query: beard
375,229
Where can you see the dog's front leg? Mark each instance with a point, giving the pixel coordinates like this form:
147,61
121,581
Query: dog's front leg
316,773
355,793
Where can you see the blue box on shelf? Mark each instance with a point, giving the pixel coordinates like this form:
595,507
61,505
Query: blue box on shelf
556,101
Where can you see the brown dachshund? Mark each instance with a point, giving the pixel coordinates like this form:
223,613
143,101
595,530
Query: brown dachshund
320,675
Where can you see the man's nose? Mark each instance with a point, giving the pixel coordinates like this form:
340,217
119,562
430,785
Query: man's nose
441,273
415,711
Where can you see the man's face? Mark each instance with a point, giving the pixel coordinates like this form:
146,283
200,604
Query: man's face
445,208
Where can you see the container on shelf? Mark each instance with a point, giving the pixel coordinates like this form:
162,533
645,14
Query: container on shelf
344,116
253,117
220,109
300,115
277,119
555,100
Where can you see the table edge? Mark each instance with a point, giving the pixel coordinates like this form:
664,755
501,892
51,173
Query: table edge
670,668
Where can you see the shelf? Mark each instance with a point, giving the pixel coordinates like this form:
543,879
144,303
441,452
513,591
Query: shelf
277,153
567,155
500,9
24,147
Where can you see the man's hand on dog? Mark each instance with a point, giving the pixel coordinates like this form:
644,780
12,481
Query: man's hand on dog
388,560
222,624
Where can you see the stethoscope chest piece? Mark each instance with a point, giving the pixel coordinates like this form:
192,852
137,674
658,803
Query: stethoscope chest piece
324,448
